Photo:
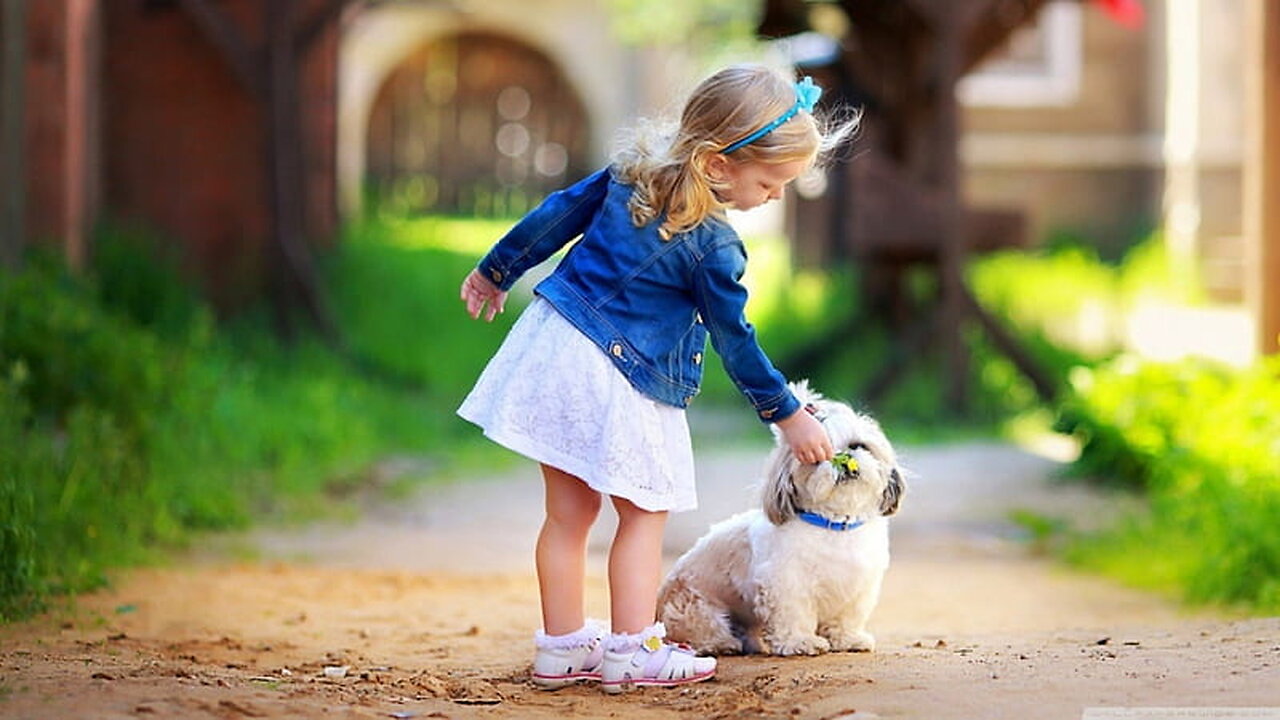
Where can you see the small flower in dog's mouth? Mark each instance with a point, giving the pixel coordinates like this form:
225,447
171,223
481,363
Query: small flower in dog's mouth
845,461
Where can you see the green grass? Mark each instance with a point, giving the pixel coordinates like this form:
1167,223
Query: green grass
395,283
124,432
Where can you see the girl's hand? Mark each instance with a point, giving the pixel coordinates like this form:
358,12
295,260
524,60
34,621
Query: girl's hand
477,290
806,437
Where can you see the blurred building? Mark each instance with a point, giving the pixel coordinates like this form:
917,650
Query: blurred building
1104,133
133,115
477,107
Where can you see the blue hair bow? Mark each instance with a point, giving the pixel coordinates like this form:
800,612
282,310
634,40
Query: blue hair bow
807,95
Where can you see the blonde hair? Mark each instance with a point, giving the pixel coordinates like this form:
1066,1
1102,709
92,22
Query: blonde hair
667,166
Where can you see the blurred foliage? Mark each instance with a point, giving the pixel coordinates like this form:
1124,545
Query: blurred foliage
697,23
1199,441
1202,442
395,282
1067,296
790,307
138,275
125,428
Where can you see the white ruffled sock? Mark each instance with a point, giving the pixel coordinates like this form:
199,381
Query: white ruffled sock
591,631
631,642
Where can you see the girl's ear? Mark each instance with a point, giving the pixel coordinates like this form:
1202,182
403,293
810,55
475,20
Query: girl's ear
717,167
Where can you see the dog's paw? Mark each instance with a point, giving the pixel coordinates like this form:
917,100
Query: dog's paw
856,641
799,645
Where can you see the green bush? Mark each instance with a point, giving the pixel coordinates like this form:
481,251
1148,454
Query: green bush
123,431
19,457
138,276
395,284
1203,442
1068,303
1197,440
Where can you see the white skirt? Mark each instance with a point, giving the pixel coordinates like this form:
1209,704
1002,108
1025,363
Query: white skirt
551,395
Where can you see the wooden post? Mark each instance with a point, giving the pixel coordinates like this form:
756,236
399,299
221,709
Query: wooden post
295,281
13,196
951,258
315,24
222,33
80,191
282,171
1262,174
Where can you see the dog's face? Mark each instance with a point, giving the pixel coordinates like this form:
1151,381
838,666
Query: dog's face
872,486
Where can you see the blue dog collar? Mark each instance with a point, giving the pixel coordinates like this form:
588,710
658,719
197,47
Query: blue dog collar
828,523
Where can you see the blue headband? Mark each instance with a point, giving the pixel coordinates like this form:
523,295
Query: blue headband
807,95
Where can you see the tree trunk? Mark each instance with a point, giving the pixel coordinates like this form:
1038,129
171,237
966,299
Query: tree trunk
294,282
295,279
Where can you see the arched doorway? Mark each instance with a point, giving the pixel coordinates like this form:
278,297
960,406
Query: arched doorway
474,124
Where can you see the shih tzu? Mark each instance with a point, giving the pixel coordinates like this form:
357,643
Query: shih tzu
801,575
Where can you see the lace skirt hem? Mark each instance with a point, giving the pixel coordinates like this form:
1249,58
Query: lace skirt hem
551,395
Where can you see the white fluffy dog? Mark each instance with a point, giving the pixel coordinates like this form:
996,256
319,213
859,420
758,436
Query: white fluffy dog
802,575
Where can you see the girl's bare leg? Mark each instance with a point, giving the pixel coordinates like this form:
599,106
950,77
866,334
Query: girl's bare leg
571,508
635,567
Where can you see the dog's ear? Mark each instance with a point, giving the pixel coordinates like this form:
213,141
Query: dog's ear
893,491
779,492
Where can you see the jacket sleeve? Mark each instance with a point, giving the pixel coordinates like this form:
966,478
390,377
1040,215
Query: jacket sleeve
557,220
722,299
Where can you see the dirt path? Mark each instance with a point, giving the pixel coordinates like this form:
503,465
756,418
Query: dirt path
426,608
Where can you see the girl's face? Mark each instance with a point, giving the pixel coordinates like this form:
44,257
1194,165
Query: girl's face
752,184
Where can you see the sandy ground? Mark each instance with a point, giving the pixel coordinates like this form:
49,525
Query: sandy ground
425,608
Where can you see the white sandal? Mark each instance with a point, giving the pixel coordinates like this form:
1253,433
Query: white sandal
645,660
567,659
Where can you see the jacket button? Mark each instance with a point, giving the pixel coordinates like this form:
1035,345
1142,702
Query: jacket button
766,414
616,349
697,358
497,276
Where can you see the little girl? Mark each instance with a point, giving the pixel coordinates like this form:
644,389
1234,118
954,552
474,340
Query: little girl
593,379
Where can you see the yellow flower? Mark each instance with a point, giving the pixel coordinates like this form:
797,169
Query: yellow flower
845,461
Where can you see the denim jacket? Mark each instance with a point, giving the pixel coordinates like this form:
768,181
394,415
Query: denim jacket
649,304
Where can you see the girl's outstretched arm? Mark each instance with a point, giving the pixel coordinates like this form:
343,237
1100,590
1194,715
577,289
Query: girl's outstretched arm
477,291
558,219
